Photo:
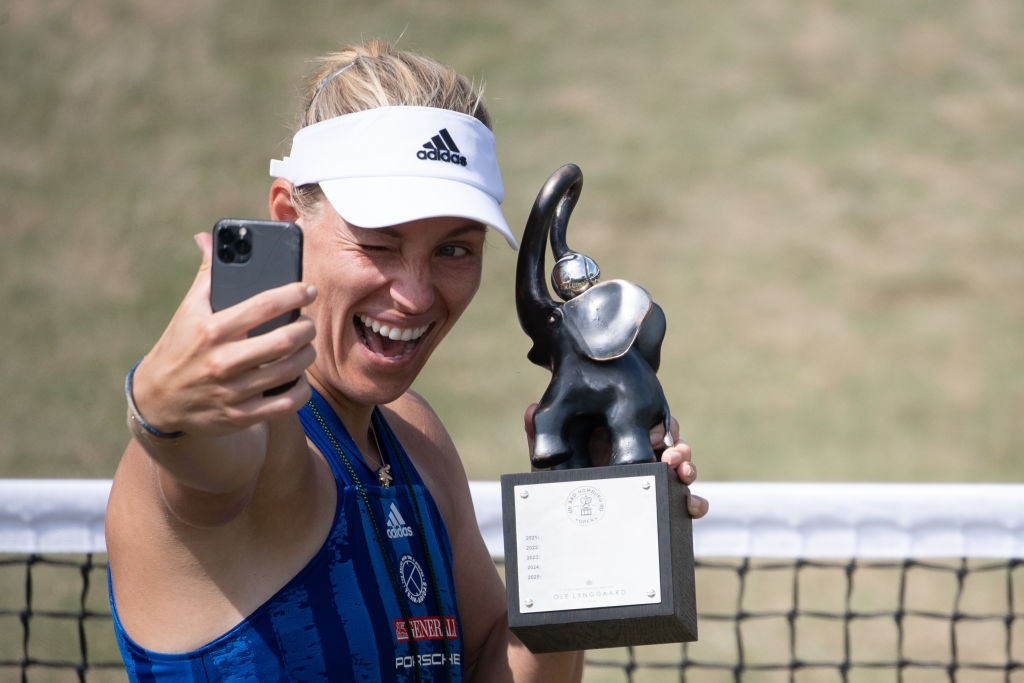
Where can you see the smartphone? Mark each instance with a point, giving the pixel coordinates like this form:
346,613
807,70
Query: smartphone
252,256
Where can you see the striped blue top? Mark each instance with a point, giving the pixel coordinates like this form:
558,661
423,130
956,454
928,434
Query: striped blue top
361,610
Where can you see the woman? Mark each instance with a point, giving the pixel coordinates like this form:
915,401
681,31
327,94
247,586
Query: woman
327,532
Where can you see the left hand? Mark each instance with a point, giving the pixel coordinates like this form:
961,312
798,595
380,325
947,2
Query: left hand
678,456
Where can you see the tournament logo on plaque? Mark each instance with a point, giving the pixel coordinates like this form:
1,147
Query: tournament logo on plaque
585,505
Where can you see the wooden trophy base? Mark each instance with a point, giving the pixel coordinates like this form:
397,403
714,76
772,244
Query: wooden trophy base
598,557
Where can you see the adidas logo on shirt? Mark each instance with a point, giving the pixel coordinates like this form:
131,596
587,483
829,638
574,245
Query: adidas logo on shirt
442,147
397,528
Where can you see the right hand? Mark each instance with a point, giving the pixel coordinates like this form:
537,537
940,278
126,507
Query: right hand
206,377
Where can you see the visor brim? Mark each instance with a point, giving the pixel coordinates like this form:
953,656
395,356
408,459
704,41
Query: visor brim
387,201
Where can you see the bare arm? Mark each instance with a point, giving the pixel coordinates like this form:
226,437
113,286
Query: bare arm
188,517
206,378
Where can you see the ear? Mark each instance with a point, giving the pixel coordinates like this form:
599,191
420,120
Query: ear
605,320
282,208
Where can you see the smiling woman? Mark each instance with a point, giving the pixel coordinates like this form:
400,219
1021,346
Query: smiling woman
297,528
398,294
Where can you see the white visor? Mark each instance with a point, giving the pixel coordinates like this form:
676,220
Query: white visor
391,165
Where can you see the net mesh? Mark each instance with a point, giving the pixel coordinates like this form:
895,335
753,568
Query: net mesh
794,583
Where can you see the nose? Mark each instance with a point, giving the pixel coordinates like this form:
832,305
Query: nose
412,287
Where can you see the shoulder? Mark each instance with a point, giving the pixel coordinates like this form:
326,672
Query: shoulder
418,426
431,449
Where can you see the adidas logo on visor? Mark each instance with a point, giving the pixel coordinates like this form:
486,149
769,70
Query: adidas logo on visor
442,147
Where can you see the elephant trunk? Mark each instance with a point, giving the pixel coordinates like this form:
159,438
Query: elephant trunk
550,215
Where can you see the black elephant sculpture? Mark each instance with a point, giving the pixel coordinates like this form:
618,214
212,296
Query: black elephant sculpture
602,345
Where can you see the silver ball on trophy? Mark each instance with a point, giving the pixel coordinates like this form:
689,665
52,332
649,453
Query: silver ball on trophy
574,274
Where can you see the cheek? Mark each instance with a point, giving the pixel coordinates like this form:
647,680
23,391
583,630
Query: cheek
323,312
462,289
335,297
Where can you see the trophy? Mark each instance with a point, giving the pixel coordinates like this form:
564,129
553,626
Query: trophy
597,554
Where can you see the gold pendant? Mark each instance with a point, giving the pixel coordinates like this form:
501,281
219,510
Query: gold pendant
384,476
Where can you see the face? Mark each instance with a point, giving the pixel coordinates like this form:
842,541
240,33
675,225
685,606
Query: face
387,297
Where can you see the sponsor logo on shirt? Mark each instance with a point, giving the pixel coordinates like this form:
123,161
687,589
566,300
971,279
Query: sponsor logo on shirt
397,528
428,659
414,581
426,628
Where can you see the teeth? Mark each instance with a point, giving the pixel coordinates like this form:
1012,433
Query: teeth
393,333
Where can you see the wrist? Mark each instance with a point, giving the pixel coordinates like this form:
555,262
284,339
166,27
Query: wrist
136,423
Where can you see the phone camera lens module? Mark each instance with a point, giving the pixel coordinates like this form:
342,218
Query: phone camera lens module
233,243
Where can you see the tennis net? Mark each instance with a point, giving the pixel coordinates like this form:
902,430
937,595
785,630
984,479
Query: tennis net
795,582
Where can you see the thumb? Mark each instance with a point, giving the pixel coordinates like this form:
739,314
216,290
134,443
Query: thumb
204,241
200,289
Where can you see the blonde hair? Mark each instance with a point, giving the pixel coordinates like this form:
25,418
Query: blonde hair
375,74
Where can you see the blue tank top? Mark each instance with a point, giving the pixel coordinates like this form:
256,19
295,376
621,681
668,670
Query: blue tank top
362,609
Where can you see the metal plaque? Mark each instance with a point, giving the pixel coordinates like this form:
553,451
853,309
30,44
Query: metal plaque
587,544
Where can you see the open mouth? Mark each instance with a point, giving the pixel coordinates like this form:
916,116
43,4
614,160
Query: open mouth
389,341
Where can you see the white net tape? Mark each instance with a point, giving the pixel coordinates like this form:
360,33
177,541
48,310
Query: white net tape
769,520
52,515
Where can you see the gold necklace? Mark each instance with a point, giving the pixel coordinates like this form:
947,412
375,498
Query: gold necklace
384,471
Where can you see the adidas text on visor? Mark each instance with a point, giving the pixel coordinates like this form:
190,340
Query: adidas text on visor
391,165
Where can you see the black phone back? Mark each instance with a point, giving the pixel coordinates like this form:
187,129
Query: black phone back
252,256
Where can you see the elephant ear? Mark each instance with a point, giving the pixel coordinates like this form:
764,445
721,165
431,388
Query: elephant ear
604,320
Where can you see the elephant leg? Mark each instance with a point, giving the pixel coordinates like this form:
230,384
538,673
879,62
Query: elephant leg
579,433
632,445
639,405
630,426
549,447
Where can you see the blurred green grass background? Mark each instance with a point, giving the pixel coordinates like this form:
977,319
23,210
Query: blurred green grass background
824,197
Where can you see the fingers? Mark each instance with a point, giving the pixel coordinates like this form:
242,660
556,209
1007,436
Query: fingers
247,367
265,349
253,367
696,506
662,439
680,458
260,406
236,321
